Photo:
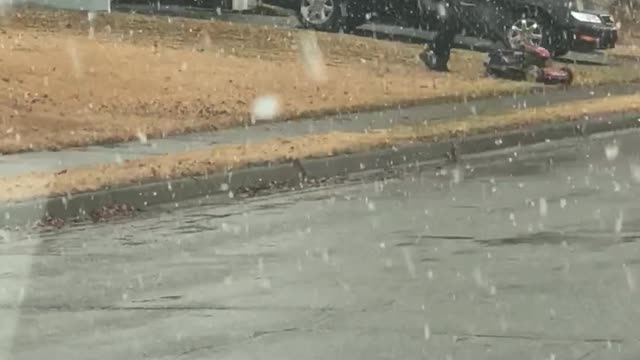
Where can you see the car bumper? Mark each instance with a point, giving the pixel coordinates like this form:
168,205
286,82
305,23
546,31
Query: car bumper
594,36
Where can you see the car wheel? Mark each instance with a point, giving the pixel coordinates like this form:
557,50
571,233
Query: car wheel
523,30
561,42
326,15
319,14
537,28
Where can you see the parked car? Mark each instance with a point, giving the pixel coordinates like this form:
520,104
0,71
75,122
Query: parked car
558,25
335,15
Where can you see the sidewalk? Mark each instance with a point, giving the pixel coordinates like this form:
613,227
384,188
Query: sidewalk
19,164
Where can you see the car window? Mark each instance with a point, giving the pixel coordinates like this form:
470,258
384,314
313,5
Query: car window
581,5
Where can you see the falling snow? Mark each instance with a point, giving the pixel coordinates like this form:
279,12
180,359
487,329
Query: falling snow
265,108
371,206
335,254
618,223
635,171
611,151
411,268
631,281
457,174
142,137
542,206
5,236
76,63
312,58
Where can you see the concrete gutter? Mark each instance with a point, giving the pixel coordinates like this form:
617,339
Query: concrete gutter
300,172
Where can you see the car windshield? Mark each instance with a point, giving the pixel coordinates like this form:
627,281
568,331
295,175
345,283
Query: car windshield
319,179
582,5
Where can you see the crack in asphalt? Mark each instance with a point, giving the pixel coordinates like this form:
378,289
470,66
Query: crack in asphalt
535,338
254,335
67,308
589,353
258,334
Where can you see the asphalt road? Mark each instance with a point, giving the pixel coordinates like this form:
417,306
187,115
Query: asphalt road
522,254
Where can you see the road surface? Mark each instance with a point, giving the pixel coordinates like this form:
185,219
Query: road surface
525,254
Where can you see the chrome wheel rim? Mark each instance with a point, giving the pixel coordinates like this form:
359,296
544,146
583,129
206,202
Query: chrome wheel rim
317,12
524,31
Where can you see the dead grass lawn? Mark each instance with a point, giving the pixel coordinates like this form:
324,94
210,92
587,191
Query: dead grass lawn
155,76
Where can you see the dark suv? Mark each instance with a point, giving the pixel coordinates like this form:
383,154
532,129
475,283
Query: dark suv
558,25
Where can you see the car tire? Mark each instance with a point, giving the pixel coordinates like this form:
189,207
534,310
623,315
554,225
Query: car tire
557,41
539,23
333,19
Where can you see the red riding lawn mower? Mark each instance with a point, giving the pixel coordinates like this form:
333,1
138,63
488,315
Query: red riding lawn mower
530,63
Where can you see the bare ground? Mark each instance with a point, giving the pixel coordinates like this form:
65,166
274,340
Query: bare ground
140,76
161,168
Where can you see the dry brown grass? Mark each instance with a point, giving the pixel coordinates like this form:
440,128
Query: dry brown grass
150,75
628,45
631,51
201,162
521,119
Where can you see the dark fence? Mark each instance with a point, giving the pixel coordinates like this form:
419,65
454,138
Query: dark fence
193,3
204,3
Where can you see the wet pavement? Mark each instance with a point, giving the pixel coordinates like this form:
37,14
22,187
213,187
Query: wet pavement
17,164
530,253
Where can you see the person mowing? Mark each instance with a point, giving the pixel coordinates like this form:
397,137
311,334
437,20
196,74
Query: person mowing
447,25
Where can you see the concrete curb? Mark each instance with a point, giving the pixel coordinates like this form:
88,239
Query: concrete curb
295,173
